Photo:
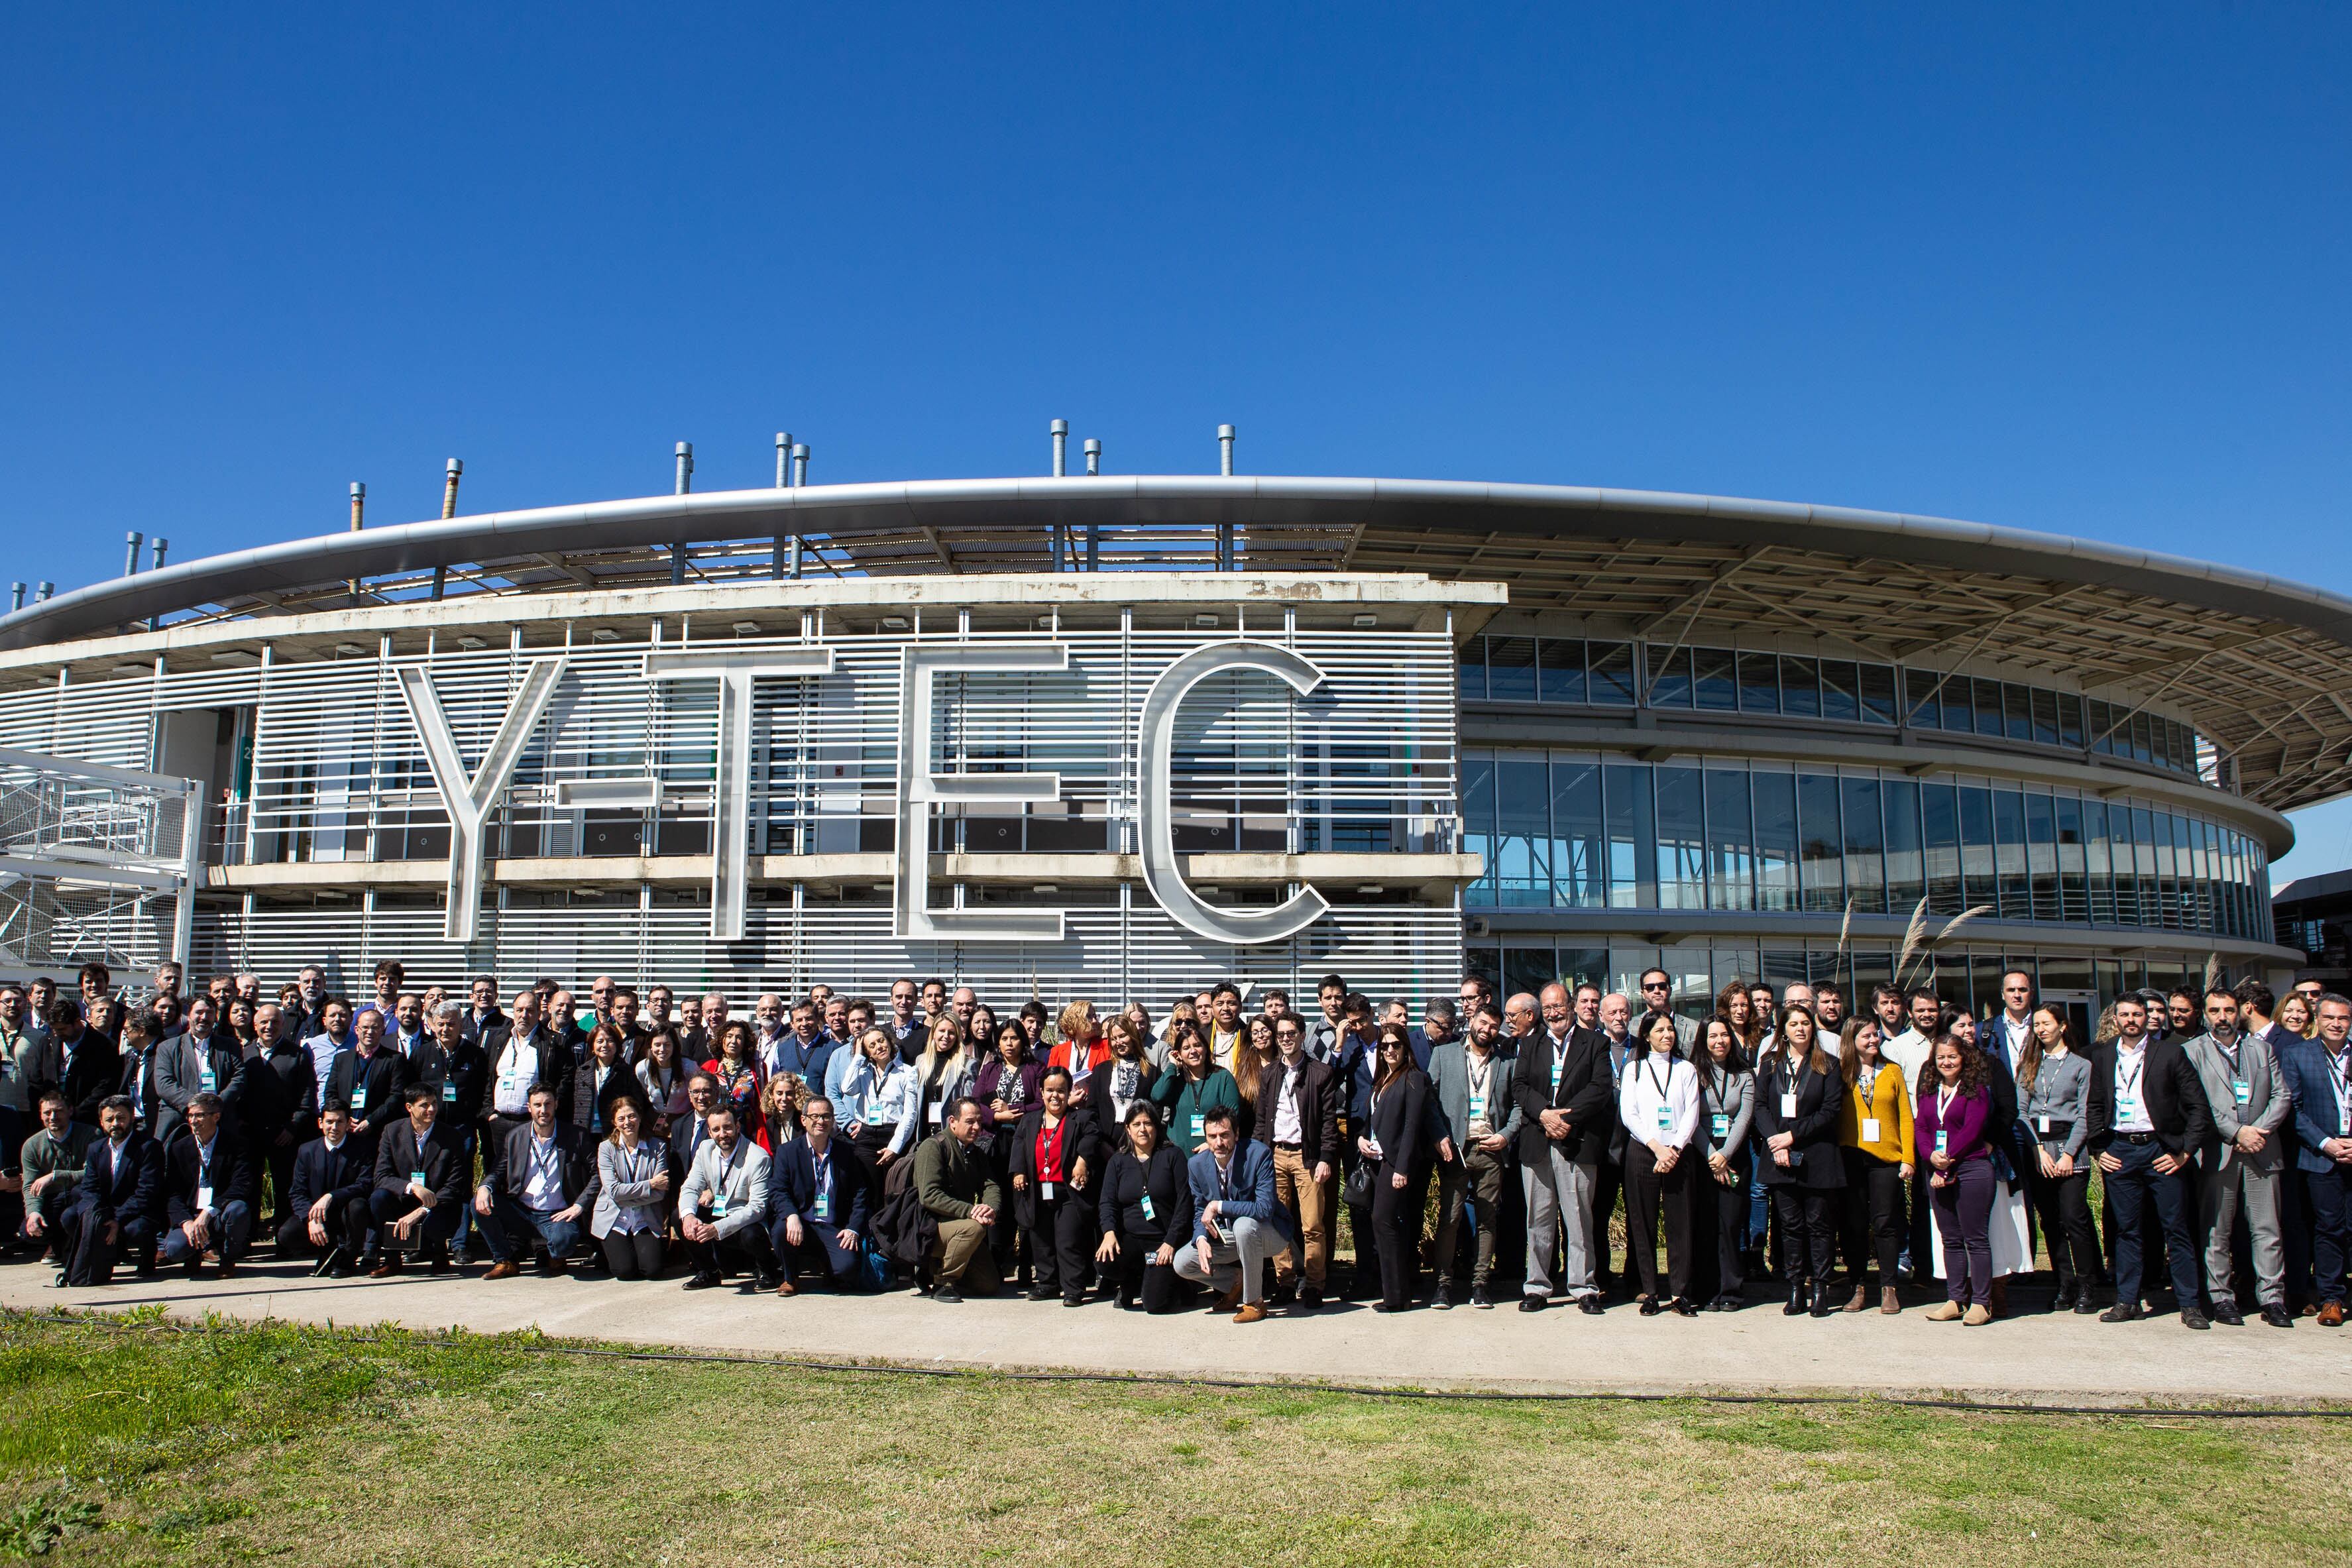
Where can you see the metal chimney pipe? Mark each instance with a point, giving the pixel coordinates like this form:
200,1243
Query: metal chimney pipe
800,465
44,591
784,459
1225,448
449,487
159,547
1094,457
685,467
1061,430
131,543
359,504
16,598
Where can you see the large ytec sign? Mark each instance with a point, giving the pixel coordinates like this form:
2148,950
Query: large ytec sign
471,795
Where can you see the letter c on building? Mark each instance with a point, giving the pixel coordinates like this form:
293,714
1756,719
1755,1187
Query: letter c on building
1157,824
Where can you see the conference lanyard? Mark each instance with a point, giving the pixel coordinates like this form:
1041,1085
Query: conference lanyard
2127,1088
2337,1070
1665,1103
1718,1116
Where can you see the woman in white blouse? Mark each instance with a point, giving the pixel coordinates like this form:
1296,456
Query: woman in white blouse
1657,1098
880,1098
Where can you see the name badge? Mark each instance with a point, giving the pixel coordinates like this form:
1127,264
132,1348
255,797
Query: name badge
2042,1124
204,1077
596,1120
1870,1129
931,1113
1146,1208
2243,1089
1943,1141
1722,1125
822,1207
1200,1126
1665,1119
1477,1106
2127,1107
448,1091
1556,1065
416,1178
718,1205
1789,1103
1045,1191
203,1199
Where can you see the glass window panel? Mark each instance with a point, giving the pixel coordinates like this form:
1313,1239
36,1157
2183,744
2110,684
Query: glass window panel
1472,670
2150,910
2070,719
1824,845
1731,883
1906,874
1958,704
2042,853
1919,691
1759,683
1613,673
2009,854
1975,847
2017,706
1578,855
1523,842
1783,967
1775,795
1527,969
1479,822
1670,677
1682,838
1841,690
1563,671
1939,813
1511,670
1583,966
2045,716
2184,870
1800,686
2098,843
1865,845
2074,890
2209,885
1633,837
1482,959
2167,873
2101,720
1717,686
2143,745
1987,704
1878,693
1867,968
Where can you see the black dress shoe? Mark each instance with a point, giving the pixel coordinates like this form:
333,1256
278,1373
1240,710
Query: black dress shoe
1650,1307
705,1282
2121,1312
2277,1316
2227,1312
2083,1304
2190,1317
1798,1304
2065,1298
1685,1308
1382,1307
949,1294
1481,1297
1590,1305
1823,1303
1309,1298
1532,1303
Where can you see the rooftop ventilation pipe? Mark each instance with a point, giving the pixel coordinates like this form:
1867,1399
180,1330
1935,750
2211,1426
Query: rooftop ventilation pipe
16,598
1225,450
359,505
800,465
1061,430
161,545
1226,530
44,591
449,487
131,543
685,467
784,459
1094,457
784,561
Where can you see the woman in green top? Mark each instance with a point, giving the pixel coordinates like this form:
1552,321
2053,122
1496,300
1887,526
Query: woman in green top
1187,1090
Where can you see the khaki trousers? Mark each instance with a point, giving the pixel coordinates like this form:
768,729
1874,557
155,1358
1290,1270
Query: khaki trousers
1296,1189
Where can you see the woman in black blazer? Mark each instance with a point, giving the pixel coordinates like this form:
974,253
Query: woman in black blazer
1053,1161
1798,1098
1393,1136
1145,1211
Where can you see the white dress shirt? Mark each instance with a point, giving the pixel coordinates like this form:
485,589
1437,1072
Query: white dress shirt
2131,1087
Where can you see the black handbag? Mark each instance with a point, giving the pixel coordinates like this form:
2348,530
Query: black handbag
1357,1191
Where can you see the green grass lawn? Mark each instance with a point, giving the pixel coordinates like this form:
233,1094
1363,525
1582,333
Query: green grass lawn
133,1442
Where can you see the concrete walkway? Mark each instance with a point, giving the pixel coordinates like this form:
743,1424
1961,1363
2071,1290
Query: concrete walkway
2036,1358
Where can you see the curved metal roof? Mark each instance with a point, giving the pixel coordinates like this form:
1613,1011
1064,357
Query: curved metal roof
2257,662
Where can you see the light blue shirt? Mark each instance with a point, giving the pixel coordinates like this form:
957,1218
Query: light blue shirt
893,1095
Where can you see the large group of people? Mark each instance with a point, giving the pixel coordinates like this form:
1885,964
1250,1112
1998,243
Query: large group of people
1773,1146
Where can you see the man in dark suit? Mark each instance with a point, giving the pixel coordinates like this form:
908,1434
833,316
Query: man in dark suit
421,1177
818,1200
2318,1076
92,1066
211,1189
540,1183
326,1206
1568,1105
1299,1125
2149,1118
121,1202
201,1060
689,1133
276,1097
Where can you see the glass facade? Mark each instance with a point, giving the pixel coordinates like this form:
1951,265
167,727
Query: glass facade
1839,691
1568,831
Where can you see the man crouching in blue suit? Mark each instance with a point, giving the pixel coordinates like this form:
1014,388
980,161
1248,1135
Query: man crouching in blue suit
1236,1224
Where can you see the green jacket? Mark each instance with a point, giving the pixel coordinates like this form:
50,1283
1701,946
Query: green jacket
1184,1100
45,1155
950,1178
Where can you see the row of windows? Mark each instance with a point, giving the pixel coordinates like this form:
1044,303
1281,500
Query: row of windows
1799,686
1574,831
1964,976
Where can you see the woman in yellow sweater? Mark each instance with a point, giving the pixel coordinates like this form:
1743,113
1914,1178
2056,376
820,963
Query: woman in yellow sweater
1876,1138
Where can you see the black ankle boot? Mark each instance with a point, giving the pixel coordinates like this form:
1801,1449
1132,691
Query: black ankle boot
1824,1302
1797,1297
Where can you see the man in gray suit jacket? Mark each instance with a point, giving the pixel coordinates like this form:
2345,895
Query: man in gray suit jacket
201,1060
2242,1163
723,1206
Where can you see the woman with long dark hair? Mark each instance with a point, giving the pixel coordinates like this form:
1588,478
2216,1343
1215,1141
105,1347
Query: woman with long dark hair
741,1080
1394,1140
1799,1100
1726,1111
2053,1102
1953,1121
1874,1134
1657,1103
1736,1005
1145,1211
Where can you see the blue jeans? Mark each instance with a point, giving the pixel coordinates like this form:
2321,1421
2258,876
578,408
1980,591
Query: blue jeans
232,1226
817,1241
510,1221
2136,1187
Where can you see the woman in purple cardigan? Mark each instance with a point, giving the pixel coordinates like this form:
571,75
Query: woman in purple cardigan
1955,1113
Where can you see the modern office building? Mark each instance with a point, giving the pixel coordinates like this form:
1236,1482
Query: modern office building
1118,735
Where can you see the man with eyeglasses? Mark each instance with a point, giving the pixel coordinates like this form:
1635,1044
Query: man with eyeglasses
2318,1075
1302,1135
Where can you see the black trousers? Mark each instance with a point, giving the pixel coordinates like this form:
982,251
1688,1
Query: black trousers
2063,1203
1808,1220
748,1248
90,1257
431,1235
1647,1193
637,1257
1719,1232
1608,1182
281,1184
1061,1242
346,1227
1396,1220
1137,1275
1874,1216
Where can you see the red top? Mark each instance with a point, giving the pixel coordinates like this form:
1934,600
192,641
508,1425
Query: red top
1049,1151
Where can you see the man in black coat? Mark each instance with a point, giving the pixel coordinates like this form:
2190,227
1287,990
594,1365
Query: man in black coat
326,1206
122,1200
92,1063
1300,1126
211,1189
2149,1118
421,1179
1568,1102
276,1097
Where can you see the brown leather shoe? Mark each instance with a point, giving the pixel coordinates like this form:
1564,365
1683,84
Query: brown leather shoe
2331,1316
786,1288
385,1269
1230,1300
505,1270
1888,1302
1251,1312
1861,1298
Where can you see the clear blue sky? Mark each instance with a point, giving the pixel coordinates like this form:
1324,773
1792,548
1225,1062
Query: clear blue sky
2084,273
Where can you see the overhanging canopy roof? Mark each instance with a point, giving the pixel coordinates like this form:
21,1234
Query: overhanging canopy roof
2258,664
